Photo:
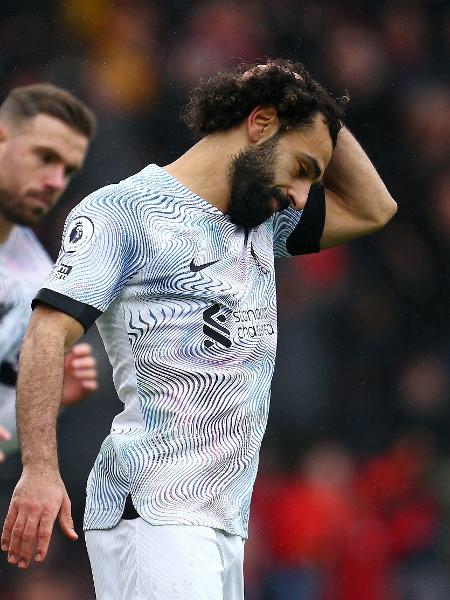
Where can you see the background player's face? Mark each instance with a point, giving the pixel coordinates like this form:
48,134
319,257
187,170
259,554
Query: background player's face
278,173
38,158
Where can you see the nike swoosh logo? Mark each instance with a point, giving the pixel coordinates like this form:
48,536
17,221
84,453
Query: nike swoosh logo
195,268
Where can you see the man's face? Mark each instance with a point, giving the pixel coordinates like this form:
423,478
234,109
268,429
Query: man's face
278,173
38,158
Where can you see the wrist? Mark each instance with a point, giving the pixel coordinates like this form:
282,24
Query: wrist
45,467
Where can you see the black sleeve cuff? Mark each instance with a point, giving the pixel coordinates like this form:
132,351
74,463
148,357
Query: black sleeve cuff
84,313
305,238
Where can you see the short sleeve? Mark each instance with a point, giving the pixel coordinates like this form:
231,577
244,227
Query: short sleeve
299,232
103,246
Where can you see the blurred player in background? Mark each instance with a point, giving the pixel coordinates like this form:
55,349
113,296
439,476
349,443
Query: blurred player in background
176,264
44,136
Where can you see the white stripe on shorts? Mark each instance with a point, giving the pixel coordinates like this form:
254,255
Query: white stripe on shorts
139,561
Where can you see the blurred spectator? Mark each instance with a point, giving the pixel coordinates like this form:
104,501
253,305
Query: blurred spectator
404,34
355,60
440,208
237,35
426,112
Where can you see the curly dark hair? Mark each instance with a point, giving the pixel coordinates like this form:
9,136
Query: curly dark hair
226,98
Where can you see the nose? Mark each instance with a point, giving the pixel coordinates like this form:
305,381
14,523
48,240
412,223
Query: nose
298,194
55,179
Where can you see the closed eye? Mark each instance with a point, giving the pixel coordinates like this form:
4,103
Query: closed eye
302,172
312,170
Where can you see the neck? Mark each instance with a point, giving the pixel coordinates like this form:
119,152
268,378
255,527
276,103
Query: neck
203,169
5,228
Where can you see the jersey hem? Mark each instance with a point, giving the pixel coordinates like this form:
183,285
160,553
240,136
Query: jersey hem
94,519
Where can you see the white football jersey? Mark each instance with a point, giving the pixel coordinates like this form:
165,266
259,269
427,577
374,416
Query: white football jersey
185,303
24,265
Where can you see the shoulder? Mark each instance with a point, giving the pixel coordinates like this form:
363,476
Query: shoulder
23,242
147,189
21,235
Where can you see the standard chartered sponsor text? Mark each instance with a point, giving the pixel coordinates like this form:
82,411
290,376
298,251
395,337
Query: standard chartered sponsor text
253,322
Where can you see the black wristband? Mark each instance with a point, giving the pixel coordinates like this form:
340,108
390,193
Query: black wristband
305,238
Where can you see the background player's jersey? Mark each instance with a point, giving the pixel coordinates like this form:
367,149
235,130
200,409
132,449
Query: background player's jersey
185,304
24,264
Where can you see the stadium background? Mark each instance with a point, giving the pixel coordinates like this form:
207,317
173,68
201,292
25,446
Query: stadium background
353,496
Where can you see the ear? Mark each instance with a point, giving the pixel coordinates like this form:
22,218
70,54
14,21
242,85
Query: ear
262,123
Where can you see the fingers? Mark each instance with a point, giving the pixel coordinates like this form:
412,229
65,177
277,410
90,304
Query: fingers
4,434
65,519
84,369
19,536
80,374
8,526
22,545
89,384
84,366
79,364
87,377
82,349
43,537
15,540
29,523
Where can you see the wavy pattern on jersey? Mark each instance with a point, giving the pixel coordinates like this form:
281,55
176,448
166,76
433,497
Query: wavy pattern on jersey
191,453
14,316
284,224
213,449
24,264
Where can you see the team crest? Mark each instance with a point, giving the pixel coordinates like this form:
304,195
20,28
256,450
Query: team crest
78,234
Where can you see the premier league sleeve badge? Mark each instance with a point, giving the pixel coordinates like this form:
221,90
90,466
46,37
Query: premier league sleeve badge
79,233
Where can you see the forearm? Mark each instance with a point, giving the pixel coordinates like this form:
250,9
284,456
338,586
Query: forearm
360,202
40,496
39,392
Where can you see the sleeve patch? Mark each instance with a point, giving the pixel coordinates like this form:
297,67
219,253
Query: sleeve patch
78,235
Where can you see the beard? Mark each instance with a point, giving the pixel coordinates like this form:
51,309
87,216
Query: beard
16,211
252,178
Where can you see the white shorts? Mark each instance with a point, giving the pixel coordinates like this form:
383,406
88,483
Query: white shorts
139,561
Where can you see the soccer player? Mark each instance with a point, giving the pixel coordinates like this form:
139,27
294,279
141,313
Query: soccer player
44,137
176,266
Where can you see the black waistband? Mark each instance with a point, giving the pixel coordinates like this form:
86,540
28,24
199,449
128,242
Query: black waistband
8,375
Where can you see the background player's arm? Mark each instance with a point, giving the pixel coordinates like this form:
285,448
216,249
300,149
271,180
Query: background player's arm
4,435
357,201
40,495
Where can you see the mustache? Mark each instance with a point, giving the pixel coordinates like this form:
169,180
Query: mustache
282,198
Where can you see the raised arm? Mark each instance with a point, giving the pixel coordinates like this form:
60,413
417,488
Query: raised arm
40,495
357,201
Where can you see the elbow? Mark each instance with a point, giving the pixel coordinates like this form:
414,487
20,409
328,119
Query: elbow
386,211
